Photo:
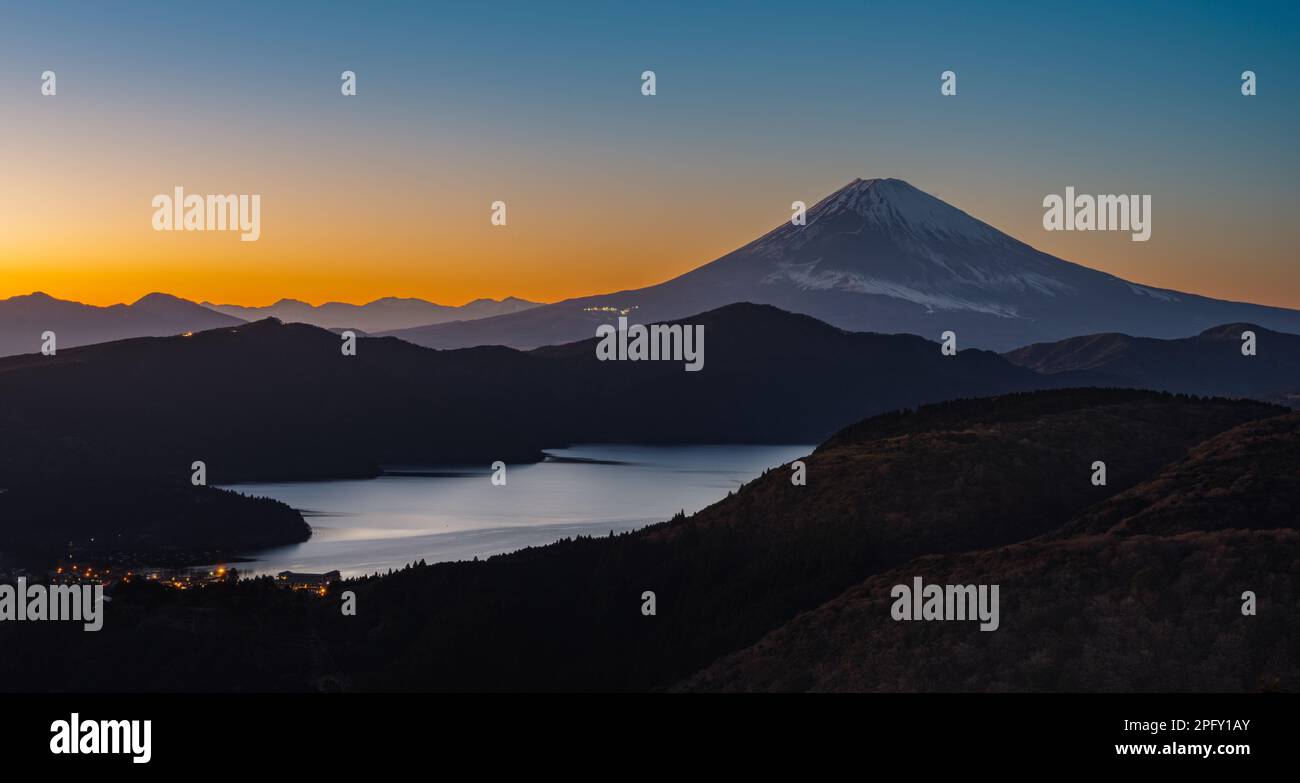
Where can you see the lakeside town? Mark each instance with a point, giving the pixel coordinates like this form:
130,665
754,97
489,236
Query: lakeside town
83,573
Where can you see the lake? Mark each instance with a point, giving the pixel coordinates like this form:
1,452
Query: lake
455,513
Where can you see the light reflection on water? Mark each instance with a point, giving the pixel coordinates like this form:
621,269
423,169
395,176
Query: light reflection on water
365,526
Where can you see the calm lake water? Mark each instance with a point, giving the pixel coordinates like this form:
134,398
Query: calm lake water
360,527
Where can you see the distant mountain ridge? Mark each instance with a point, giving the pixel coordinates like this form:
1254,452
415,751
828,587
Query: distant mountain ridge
23,319
1211,362
880,255
380,315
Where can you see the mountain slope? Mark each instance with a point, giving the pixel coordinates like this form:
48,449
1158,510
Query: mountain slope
377,316
1246,478
880,255
1209,363
23,319
1100,613
1142,592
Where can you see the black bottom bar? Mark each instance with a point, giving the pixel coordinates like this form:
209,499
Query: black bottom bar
297,733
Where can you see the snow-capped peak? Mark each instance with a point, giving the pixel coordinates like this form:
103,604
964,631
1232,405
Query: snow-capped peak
896,205
888,238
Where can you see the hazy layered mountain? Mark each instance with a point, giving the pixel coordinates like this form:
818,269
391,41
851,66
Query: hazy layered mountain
880,255
23,319
1212,362
271,400
377,316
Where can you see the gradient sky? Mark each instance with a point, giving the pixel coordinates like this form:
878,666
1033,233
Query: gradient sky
539,105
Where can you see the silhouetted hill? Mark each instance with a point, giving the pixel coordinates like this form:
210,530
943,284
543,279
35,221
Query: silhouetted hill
271,400
1209,363
262,400
773,376
23,319
150,524
246,637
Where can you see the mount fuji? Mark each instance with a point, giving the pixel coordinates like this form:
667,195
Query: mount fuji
880,255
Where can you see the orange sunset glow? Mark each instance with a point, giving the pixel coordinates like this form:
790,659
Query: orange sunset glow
359,242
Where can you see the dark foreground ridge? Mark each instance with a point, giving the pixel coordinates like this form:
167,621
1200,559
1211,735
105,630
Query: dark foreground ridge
956,491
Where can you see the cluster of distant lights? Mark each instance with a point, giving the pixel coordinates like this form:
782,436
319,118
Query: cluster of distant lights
318,590
187,581
86,573
184,582
610,309
178,582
